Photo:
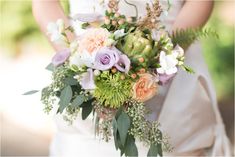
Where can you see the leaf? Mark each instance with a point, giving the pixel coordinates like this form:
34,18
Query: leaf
78,101
130,148
85,25
70,81
115,132
86,109
185,37
159,147
50,67
31,92
123,123
65,98
188,69
153,151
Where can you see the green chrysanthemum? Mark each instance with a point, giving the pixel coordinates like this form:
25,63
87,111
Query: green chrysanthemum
111,90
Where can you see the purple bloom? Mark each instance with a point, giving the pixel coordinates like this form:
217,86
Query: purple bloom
123,64
164,78
87,81
60,57
106,58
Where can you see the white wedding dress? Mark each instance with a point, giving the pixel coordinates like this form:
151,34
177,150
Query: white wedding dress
186,108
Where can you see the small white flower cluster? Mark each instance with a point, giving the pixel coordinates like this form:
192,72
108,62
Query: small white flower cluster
169,62
55,30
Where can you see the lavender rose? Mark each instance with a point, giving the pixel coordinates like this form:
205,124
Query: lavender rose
106,58
60,57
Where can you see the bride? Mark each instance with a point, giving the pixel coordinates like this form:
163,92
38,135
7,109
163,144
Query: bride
186,108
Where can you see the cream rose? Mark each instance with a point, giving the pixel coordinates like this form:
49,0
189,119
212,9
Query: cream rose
145,88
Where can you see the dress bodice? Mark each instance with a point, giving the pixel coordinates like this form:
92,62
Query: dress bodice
94,6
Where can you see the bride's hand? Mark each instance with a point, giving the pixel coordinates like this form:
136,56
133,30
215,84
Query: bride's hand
49,11
193,14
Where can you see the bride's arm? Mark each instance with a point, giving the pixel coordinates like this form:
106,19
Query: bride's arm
48,11
193,14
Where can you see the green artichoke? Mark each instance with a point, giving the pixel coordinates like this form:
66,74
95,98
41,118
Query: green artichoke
138,46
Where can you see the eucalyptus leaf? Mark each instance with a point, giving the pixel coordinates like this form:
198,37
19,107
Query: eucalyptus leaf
115,131
65,98
50,67
123,123
130,148
159,147
86,109
31,92
78,101
153,151
70,81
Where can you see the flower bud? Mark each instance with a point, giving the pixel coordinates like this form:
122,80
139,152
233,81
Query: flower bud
122,77
114,23
116,15
133,76
107,21
121,21
141,59
109,10
142,70
113,70
96,72
129,19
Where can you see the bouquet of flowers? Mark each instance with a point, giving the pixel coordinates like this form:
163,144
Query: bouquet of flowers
111,69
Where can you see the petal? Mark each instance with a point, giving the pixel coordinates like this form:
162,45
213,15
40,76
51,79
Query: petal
171,71
87,81
163,78
60,57
124,61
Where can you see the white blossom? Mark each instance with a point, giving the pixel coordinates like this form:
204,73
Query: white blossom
179,50
119,33
55,31
82,59
77,26
168,63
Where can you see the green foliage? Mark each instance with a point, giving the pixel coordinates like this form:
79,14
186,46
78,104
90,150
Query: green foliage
111,90
50,67
65,98
31,92
123,124
186,37
154,150
122,139
78,101
87,108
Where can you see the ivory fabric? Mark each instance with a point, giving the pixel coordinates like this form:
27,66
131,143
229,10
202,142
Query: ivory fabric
186,107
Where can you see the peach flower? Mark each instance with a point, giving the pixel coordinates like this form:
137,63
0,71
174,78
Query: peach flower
145,88
93,39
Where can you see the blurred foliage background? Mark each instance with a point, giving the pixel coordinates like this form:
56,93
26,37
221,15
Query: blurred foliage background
18,28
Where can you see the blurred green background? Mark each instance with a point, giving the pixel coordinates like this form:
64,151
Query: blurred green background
18,29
